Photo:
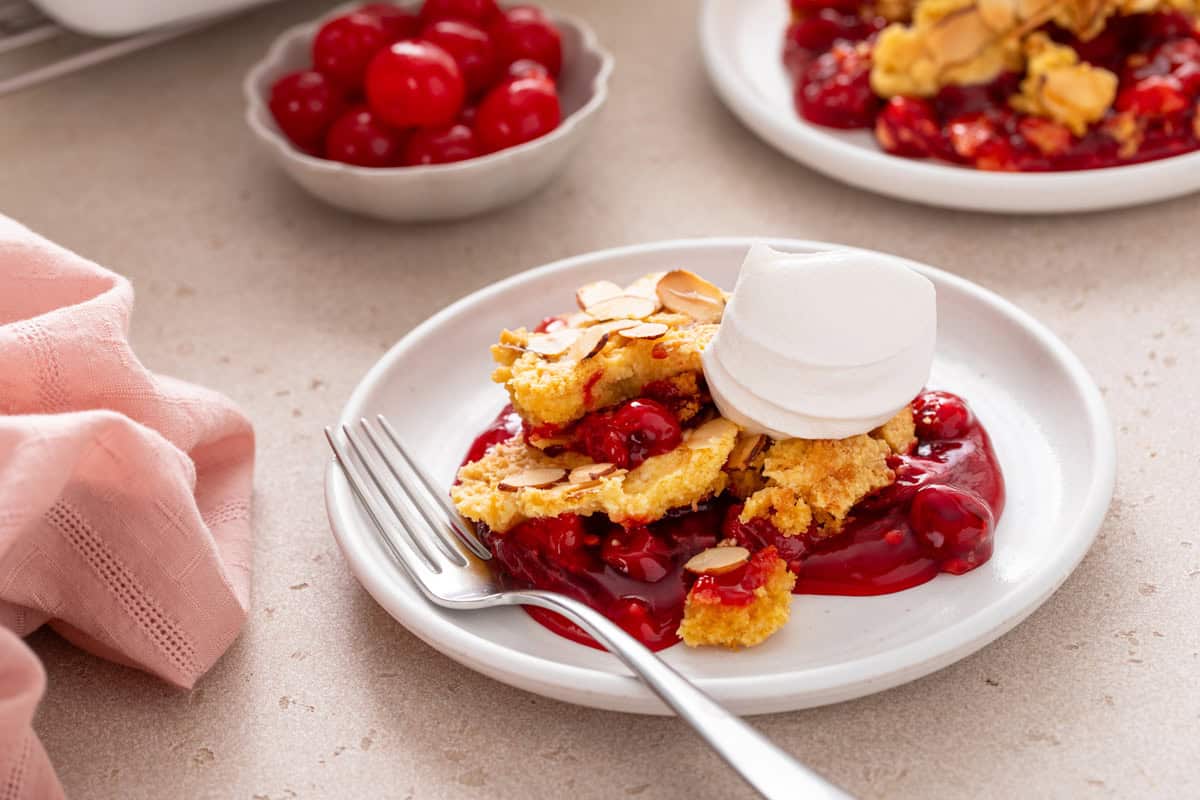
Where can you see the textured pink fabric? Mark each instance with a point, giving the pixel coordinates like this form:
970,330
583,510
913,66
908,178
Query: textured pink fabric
124,495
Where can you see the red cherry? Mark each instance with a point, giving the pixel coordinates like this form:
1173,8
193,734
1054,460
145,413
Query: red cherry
940,415
815,33
359,138
1105,49
397,23
560,540
1179,58
525,68
468,114
345,45
796,57
955,525
1169,25
998,155
547,325
479,12
1049,137
440,145
629,434
971,134
907,127
600,440
1156,96
955,101
835,90
650,428
819,31
304,105
638,553
524,32
516,112
471,49
414,83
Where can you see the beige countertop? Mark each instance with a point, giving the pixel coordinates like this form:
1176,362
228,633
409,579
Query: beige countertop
247,285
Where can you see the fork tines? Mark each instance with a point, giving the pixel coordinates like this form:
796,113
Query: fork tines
434,532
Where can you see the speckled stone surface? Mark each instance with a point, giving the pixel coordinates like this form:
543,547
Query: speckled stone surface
247,285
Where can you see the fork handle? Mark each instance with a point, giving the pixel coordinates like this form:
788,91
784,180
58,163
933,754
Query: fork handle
771,771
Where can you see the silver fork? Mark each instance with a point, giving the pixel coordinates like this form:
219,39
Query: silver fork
439,550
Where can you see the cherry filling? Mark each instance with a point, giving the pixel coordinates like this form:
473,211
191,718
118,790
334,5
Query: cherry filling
625,435
736,588
827,51
505,426
630,433
938,516
634,576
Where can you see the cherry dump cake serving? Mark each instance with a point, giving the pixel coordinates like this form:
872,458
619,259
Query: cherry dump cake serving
1010,85
683,459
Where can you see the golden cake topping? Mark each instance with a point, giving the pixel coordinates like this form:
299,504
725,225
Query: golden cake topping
1061,87
717,560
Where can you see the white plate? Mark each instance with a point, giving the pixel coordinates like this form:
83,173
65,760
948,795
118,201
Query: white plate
1048,424
742,43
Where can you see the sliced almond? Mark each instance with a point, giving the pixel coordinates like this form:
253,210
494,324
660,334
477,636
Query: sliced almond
687,293
999,15
717,560
622,307
590,342
537,478
958,37
577,319
646,330
748,446
512,348
592,293
709,433
580,488
591,472
615,325
646,286
553,343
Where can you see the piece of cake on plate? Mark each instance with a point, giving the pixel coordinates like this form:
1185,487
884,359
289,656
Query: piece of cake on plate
681,458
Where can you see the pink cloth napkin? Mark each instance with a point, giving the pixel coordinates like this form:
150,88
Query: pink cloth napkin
124,495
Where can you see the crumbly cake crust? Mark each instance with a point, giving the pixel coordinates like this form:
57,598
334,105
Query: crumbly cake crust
821,480
713,623
685,476
560,391
964,42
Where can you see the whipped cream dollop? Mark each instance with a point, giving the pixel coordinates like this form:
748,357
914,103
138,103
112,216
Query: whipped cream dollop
821,345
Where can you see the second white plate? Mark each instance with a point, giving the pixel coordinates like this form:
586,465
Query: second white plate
742,42
1045,415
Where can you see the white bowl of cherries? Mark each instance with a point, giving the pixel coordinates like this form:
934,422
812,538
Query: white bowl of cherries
437,111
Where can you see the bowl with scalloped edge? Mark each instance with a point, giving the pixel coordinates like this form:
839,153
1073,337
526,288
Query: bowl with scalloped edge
437,191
